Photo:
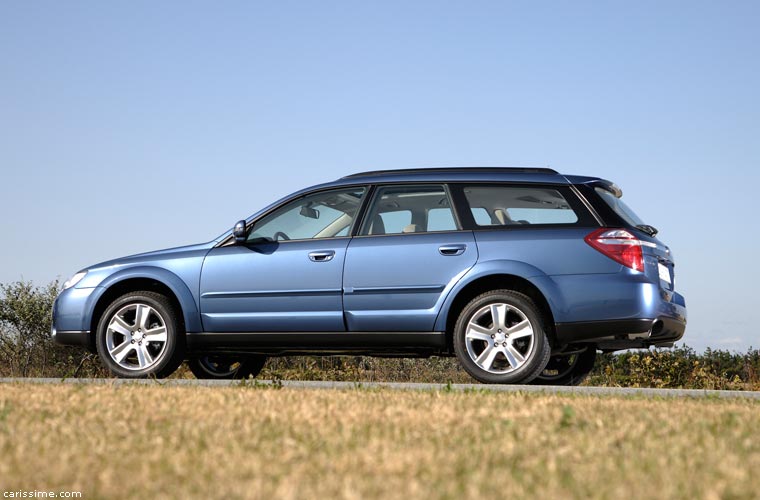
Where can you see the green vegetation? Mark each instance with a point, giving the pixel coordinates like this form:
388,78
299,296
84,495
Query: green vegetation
681,367
253,441
26,350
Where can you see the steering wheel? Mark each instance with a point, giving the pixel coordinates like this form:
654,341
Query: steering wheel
280,235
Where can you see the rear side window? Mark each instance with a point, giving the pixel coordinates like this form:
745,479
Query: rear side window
409,209
518,206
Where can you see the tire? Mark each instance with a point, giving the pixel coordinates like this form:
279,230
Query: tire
568,368
226,367
512,350
139,336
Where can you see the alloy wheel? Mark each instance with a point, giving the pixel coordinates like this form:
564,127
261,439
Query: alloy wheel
136,336
499,338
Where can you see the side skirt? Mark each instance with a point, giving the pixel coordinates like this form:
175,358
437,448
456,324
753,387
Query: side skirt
318,342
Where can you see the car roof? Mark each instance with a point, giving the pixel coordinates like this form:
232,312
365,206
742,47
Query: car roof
456,174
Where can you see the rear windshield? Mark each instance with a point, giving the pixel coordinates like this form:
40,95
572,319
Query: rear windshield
620,208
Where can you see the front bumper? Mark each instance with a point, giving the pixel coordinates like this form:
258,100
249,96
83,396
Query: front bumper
79,338
71,323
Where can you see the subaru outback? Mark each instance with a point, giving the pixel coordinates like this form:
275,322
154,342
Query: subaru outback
523,274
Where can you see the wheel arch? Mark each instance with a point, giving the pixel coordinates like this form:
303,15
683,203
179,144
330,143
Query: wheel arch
494,279
150,279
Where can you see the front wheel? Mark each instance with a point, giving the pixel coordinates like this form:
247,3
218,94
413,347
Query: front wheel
139,336
570,366
500,338
226,367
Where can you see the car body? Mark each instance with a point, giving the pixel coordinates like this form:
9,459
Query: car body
383,263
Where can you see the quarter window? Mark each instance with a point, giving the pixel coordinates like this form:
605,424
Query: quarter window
409,209
514,206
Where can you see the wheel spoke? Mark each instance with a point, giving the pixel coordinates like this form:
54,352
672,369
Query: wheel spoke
118,325
157,334
144,357
120,351
487,357
520,330
141,316
477,332
499,315
514,356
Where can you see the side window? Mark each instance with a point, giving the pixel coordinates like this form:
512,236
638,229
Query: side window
396,221
481,216
409,209
516,205
441,219
327,214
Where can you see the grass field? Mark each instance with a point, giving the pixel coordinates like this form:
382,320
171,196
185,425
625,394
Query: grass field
265,442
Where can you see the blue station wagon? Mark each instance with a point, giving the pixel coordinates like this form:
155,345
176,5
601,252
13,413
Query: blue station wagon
523,274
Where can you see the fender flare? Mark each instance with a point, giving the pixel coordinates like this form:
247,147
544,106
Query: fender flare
532,274
178,287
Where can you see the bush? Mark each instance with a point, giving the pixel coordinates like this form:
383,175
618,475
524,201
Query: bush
26,348
680,367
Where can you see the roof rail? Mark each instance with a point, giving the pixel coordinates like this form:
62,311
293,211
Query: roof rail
449,170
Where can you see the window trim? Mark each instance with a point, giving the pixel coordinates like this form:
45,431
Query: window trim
586,218
376,188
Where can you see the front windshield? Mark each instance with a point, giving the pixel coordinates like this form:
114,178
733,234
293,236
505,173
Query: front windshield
618,205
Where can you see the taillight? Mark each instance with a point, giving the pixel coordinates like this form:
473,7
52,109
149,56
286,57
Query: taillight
619,245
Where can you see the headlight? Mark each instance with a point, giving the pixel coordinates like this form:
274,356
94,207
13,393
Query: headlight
74,280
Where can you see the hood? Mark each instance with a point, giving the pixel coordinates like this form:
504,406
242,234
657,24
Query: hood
154,255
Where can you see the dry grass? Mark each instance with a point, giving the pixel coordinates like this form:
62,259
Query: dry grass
253,442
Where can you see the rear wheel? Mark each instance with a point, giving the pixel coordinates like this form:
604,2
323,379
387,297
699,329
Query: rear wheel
226,367
138,336
570,366
500,338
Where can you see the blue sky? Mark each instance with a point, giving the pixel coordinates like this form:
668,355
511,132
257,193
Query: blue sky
132,126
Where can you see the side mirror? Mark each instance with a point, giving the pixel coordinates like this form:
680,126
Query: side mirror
239,231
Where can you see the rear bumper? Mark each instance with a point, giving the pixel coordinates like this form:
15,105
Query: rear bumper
627,333
624,310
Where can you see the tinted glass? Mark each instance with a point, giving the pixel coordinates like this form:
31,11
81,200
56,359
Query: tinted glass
409,209
620,208
514,205
322,215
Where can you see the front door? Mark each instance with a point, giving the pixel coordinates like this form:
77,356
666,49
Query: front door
408,255
287,276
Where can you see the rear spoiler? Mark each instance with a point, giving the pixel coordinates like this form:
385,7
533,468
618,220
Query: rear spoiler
608,186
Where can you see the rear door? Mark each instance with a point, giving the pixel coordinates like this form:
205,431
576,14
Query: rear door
409,252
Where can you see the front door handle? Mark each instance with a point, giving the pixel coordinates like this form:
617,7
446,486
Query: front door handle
452,249
324,256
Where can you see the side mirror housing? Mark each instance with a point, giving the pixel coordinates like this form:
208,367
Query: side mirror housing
239,231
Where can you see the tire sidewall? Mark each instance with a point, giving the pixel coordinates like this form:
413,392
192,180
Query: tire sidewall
250,366
538,356
582,368
168,362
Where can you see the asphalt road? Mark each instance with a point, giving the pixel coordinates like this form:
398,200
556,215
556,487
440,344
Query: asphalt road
297,384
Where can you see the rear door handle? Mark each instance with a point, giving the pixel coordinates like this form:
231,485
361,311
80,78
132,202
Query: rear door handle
324,256
452,249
